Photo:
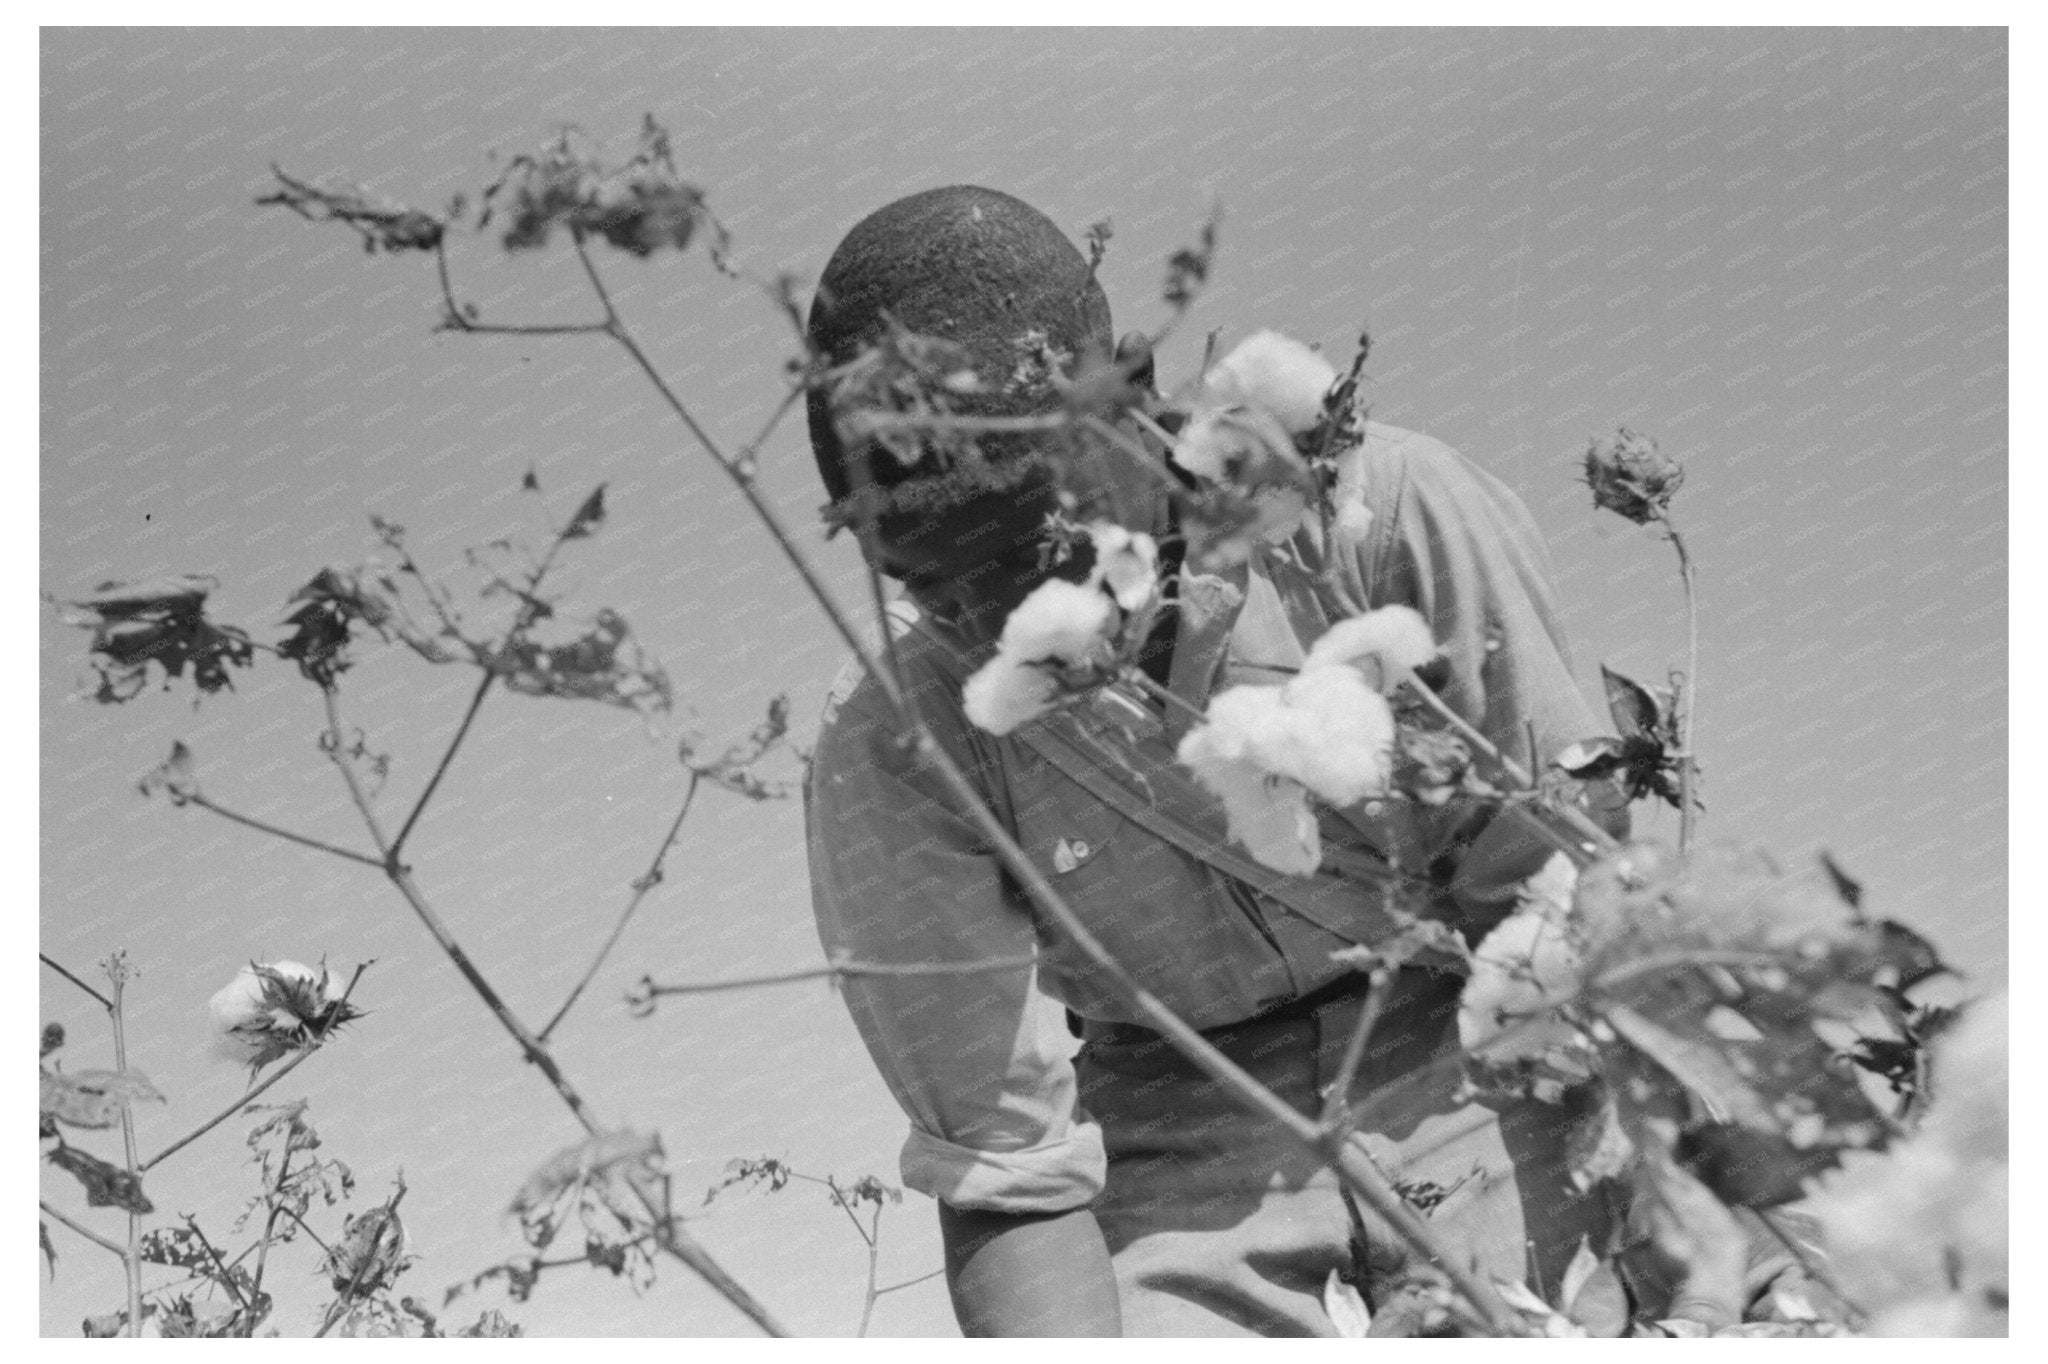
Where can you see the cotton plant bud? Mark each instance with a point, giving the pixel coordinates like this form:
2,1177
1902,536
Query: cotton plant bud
1391,638
1631,477
1275,374
1061,625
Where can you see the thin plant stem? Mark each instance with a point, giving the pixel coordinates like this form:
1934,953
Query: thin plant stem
61,970
222,1277
909,1283
641,888
843,968
1690,711
284,1165
1338,1100
476,702
88,1233
131,1258
286,834
1165,695
237,1106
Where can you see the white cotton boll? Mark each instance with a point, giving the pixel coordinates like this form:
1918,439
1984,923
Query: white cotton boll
1059,620
1528,963
1005,693
1210,445
1276,373
1325,729
1398,634
1126,562
1267,816
1339,736
239,1009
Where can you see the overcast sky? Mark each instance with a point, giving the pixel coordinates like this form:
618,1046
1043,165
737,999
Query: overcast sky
1783,254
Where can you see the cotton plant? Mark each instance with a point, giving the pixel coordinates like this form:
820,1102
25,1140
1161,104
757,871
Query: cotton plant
1068,638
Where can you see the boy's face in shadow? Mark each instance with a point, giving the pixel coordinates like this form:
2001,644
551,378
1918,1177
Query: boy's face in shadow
976,561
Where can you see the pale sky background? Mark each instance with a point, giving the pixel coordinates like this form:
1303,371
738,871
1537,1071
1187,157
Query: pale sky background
1781,253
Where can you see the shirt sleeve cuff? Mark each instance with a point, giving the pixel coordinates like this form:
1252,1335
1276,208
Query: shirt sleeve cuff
1057,1176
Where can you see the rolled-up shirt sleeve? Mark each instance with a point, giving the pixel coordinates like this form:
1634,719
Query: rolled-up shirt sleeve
978,1062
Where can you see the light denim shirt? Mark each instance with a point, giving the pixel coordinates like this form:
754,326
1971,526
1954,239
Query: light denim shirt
980,1063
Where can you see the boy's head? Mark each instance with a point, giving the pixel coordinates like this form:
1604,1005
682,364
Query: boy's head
998,278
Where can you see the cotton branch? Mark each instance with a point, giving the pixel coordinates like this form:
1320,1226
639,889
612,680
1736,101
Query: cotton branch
842,967
131,1258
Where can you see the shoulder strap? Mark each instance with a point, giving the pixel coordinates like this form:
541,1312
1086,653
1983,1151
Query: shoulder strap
1044,738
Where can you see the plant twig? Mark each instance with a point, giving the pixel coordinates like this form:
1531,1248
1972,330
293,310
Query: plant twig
1690,709
419,806
841,967
223,1277
237,1106
87,1232
286,834
284,1165
1338,1100
59,968
910,1283
131,1258
641,887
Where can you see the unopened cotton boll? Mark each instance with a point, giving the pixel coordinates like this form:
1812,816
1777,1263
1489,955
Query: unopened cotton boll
1397,634
1276,373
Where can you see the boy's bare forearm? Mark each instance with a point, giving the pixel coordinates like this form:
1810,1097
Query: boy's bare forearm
1029,1274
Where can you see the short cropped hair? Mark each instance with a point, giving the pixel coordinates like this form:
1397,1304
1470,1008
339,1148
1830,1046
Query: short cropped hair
973,266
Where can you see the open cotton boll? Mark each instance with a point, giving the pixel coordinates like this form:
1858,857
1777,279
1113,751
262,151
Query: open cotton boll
1210,445
1325,729
1276,373
1339,738
1005,693
1397,634
1267,816
1061,623
1059,620
1126,562
242,1009
1528,963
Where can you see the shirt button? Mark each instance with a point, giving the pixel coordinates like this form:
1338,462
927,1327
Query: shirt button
1080,850
1375,808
